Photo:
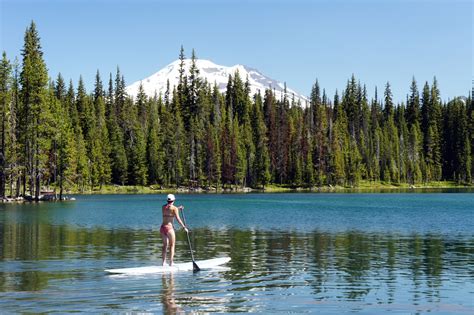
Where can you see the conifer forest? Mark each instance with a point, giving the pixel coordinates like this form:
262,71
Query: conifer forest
56,134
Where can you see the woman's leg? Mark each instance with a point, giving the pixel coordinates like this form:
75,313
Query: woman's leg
165,246
172,239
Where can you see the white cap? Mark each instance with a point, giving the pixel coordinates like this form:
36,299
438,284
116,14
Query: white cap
171,197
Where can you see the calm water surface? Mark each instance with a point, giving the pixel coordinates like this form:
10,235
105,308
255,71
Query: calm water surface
302,253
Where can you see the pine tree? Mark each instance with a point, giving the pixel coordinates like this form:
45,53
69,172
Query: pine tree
88,124
261,163
351,107
81,162
228,148
155,152
376,139
119,99
389,162
282,142
194,83
414,169
212,167
415,143
5,69
60,88
400,147
14,166
102,146
296,158
457,155
174,140
413,105
84,110
436,132
118,156
213,160
142,105
388,104
352,157
205,108
70,102
269,111
430,129
470,101
193,118
319,130
65,148
247,134
339,145
353,162
52,164
240,104
135,145
238,154
34,80
182,90
364,132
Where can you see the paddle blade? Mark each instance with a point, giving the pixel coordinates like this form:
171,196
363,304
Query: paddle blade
195,267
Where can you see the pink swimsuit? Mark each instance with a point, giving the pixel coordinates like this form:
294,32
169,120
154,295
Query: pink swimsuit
166,228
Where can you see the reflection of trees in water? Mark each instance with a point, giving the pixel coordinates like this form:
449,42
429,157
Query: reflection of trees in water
367,262
359,262
352,259
355,263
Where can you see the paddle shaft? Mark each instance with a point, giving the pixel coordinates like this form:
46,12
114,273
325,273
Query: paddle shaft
195,266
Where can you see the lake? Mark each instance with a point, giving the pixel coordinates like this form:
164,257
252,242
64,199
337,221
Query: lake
365,253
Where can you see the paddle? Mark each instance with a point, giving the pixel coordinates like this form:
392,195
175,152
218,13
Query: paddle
195,266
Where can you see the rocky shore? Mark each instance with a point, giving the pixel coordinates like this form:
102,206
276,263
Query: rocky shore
28,198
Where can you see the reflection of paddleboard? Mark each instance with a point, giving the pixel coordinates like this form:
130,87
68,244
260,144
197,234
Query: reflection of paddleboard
203,264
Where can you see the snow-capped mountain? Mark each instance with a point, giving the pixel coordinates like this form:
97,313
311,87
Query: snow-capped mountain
212,73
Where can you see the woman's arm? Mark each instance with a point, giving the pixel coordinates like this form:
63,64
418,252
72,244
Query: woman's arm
178,218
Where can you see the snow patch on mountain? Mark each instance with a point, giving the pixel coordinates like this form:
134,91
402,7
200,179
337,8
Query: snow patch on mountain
213,74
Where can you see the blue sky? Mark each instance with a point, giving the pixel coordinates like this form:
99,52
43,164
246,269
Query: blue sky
294,41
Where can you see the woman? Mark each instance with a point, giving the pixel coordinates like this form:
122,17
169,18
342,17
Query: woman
170,211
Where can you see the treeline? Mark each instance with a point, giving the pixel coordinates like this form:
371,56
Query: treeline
57,135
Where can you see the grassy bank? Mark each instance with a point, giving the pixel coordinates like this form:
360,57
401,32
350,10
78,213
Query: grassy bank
364,186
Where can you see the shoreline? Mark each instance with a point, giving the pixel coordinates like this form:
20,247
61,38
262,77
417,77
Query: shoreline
364,187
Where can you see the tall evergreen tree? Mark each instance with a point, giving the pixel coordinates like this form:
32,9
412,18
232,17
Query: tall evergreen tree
155,152
174,140
388,104
376,139
351,107
319,130
457,154
102,147
339,145
5,88
142,106
413,105
64,137
14,167
34,80
60,88
261,163
118,155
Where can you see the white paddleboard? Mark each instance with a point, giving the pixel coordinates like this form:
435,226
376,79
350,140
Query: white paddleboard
203,265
